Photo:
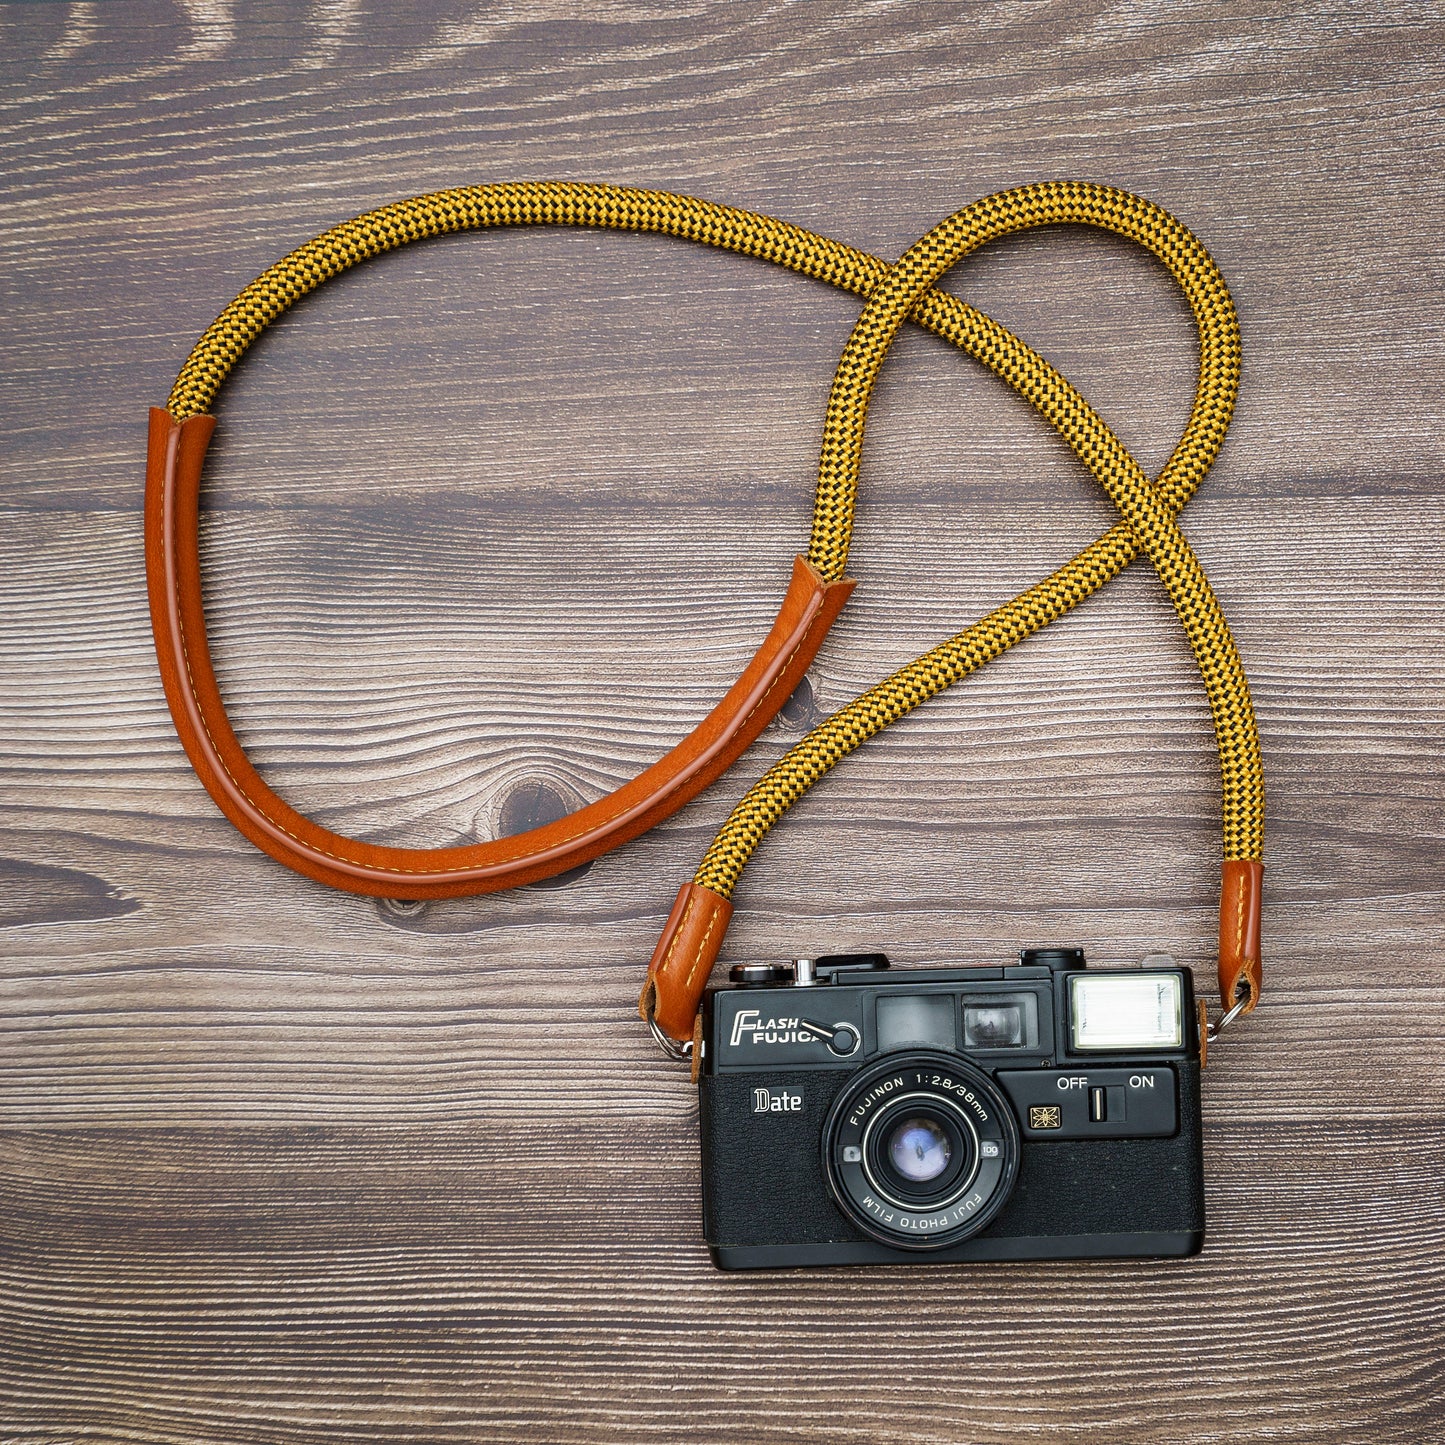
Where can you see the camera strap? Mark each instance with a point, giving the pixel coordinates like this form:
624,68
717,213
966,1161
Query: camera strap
904,290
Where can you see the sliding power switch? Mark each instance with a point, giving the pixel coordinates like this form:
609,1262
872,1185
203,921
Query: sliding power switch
1107,1104
1052,1104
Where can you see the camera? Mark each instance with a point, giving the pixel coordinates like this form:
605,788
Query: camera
856,1114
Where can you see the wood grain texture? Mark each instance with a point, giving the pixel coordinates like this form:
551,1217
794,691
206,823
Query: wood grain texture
491,522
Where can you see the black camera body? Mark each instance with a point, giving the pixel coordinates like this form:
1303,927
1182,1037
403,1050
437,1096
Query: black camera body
853,1114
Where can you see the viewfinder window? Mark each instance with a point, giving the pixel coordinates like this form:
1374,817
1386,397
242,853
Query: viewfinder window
1005,1021
916,1019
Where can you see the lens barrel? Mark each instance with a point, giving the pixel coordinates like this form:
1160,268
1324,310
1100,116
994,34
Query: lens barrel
921,1150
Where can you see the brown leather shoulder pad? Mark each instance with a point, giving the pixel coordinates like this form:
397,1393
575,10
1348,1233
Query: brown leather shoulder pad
177,451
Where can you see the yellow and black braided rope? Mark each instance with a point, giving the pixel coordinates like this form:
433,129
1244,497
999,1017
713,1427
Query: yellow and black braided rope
898,292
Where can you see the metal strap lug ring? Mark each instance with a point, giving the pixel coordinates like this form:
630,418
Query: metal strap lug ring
1214,1030
678,1052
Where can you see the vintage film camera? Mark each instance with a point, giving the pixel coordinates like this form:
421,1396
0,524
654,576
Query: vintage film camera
857,1115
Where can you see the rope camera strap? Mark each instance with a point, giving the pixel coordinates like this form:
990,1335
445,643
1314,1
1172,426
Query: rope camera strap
894,293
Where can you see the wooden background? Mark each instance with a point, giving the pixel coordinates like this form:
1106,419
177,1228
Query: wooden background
492,521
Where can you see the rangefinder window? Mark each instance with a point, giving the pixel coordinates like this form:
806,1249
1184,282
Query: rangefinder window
1002,1021
1126,1011
916,1020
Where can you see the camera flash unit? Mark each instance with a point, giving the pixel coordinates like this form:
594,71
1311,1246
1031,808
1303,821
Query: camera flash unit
1132,1011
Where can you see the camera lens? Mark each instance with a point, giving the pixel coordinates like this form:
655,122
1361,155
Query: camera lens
919,1150
993,1026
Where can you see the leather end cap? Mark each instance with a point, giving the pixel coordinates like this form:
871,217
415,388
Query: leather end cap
1241,900
683,959
162,424
175,453
164,427
807,581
